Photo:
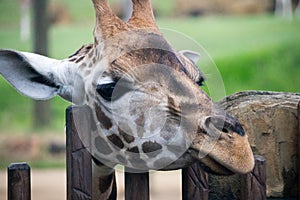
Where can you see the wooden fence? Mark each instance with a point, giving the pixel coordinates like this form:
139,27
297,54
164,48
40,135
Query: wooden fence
79,173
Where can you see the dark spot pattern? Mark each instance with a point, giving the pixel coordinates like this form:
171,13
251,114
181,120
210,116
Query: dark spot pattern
138,163
140,122
79,59
128,138
102,146
102,118
152,149
116,141
133,150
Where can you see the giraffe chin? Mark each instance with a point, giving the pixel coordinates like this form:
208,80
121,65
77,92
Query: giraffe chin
210,165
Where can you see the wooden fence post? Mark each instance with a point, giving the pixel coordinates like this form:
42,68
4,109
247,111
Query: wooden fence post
137,186
19,181
194,183
79,166
254,183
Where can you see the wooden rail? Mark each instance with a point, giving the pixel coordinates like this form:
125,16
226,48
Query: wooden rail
79,171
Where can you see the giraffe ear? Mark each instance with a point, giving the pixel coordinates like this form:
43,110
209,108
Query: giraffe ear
36,76
192,55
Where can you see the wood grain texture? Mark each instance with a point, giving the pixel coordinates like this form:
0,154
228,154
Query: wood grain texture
79,166
137,186
19,181
254,183
194,183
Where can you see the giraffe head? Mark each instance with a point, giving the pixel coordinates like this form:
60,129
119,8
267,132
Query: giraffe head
148,108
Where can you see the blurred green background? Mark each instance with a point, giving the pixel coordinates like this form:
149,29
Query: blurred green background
253,50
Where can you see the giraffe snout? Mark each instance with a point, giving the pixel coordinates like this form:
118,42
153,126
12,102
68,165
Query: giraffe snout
223,123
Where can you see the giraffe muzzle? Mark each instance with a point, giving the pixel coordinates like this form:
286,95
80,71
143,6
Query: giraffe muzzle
223,124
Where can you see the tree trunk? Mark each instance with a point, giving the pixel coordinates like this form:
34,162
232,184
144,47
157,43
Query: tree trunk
284,8
297,11
41,110
25,20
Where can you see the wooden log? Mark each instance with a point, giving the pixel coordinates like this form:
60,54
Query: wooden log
194,183
254,183
298,146
137,186
79,166
271,123
19,181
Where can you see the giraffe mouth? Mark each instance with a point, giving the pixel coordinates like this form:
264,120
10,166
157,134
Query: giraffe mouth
222,147
210,165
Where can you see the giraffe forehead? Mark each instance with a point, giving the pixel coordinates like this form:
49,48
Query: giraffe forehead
139,57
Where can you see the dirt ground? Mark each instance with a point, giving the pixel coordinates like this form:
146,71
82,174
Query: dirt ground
51,185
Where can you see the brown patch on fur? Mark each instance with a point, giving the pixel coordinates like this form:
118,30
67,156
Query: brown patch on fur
102,146
151,148
102,118
140,122
79,59
128,138
83,65
85,49
134,150
116,141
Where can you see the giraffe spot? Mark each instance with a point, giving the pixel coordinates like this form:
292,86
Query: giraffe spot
79,59
162,162
116,141
90,55
135,159
72,59
102,118
96,41
83,65
133,150
122,160
128,138
171,102
94,60
151,148
177,150
140,122
102,146
105,182
138,163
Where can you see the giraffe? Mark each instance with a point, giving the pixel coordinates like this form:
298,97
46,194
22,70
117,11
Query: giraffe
149,111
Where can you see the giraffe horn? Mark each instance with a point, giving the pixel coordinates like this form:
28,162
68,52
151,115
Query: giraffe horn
142,15
107,23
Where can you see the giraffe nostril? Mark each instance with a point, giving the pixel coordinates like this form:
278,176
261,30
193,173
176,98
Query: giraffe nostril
226,124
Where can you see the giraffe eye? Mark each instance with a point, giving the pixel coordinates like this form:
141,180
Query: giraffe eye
113,91
106,90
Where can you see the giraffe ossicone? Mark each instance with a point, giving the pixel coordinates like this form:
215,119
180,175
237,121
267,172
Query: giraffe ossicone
148,109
